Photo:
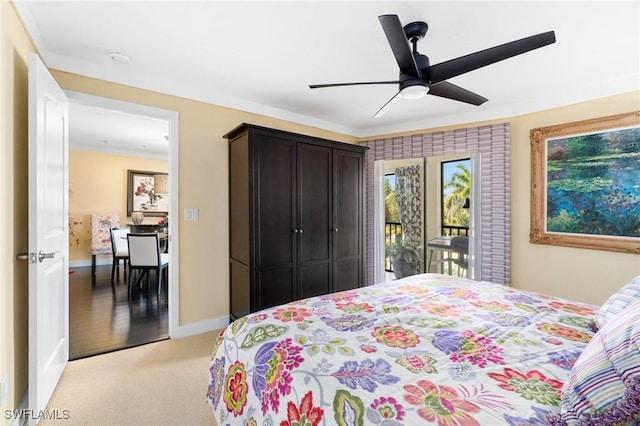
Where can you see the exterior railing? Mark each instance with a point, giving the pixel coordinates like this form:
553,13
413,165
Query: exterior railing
455,230
393,230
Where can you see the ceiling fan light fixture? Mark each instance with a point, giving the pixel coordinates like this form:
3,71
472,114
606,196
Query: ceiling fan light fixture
415,91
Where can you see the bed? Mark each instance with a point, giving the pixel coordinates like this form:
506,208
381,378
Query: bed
425,349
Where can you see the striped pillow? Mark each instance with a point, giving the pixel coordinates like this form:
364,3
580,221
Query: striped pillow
618,301
604,383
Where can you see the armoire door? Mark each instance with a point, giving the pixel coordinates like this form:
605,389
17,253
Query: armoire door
348,216
314,219
274,221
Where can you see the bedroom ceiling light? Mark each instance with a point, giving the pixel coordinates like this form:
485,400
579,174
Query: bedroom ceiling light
119,57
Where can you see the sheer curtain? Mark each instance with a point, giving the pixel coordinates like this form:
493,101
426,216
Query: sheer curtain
409,197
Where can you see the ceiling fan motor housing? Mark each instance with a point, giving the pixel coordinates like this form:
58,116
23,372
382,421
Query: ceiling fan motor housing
406,80
415,31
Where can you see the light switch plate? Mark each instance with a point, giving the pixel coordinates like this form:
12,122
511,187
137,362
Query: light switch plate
191,215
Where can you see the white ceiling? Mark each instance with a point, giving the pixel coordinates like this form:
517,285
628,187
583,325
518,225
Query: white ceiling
97,128
261,56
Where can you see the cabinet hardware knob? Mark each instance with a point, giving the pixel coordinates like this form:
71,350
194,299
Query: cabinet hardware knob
301,231
295,231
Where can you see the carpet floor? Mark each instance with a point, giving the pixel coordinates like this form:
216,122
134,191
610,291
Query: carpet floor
162,383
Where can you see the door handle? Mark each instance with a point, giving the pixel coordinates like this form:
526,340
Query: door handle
33,258
42,255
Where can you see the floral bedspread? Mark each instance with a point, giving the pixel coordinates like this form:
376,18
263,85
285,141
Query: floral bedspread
426,349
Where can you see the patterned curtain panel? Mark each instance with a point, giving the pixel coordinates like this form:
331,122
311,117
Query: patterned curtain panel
409,197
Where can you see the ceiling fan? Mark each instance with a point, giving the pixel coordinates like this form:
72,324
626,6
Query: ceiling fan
418,78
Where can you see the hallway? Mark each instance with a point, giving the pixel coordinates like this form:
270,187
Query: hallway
101,318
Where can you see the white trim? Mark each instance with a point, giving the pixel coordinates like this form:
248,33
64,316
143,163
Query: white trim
173,118
174,221
379,274
474,271
200,327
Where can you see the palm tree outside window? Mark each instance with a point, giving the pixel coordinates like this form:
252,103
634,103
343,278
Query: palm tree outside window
456,190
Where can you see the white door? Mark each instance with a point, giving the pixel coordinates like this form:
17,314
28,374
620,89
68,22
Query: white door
48,235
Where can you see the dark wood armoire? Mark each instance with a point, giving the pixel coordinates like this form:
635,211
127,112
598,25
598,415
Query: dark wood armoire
296,216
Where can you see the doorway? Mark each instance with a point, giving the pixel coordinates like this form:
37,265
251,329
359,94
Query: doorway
423,205
145,317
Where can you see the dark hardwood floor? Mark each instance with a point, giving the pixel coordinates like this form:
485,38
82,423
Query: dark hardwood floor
103,319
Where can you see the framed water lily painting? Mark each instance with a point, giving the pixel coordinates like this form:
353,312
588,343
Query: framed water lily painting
585,184
147,192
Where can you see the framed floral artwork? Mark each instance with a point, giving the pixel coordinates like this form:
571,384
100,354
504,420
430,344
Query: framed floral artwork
585,184
147,192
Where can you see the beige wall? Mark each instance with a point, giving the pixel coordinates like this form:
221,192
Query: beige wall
579,274
15,46
203,185
98,184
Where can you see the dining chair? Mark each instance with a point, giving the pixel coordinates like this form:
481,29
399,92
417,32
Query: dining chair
120,249
101,224
145,256
460,246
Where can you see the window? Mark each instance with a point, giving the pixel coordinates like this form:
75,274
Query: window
392,225
456,192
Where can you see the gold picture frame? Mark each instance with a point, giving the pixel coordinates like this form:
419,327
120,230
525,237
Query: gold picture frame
576,197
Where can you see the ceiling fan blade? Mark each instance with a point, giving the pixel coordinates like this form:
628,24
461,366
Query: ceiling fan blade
399,44
444,89
320,86
445,70
382,111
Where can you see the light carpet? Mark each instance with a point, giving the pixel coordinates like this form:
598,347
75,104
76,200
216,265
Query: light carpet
162,383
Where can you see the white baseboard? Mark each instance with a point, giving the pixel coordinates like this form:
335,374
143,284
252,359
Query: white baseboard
200,327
